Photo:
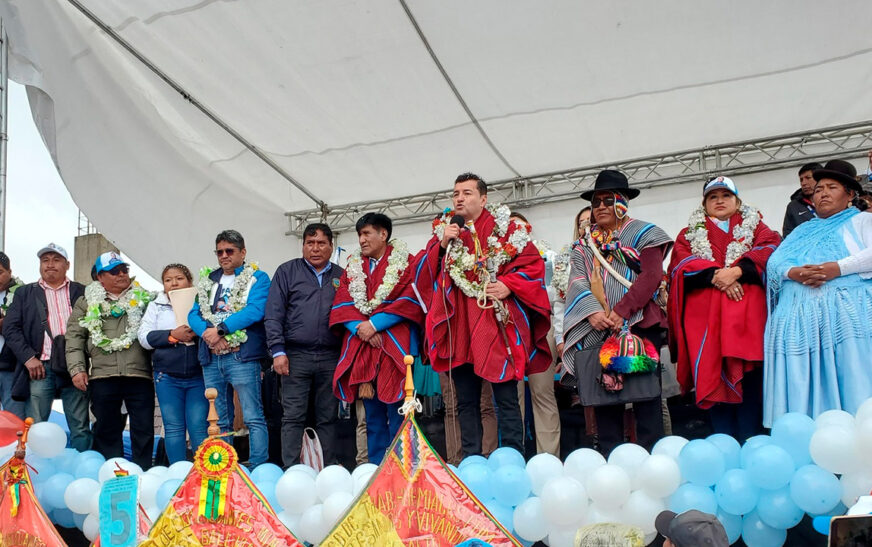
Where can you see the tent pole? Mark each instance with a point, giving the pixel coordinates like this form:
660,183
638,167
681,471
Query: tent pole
4,138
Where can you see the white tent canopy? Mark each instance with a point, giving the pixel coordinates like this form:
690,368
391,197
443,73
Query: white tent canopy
325,103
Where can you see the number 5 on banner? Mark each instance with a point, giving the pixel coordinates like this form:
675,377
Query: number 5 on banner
118,501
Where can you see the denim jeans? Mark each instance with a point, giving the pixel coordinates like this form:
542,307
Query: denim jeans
6,401
42,395
244,376
382,423
183,406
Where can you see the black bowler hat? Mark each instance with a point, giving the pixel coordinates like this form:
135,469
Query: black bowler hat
612,180
841,171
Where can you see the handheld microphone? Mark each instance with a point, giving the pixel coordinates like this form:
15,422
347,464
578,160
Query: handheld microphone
459,220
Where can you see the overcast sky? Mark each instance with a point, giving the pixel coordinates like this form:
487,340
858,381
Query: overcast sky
39,208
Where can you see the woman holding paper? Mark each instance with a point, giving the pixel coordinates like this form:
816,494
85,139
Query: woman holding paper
178,376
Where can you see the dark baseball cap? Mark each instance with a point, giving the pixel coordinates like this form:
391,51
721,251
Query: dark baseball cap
692,529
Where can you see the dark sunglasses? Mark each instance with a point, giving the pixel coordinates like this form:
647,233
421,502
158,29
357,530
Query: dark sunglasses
118,270
222,252
595,202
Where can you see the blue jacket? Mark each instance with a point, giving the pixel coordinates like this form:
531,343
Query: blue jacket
249,318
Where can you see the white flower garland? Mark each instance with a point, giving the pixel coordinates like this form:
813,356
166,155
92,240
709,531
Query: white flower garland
461,261
235,303
560,273
743,235
398,261
131,302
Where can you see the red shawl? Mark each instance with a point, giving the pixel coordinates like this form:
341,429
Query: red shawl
460,332
714,339
359,362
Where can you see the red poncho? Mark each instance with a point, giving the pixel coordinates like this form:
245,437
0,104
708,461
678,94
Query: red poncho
459,331
359,362
714,339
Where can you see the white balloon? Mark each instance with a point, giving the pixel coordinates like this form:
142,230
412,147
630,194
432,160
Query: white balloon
148,485
564,502
864,436
864,412
312,528
360,482
670,446
305,469
659,476
77,495
835,449
529,520
295,492
158,471
854,485
290,520
364,469
107,470
562,536
178,470
94,502
609,486
332,479
640,510
597,514
629,456
46,439
541,468
152,511
581,463
335,507
834,417
91,527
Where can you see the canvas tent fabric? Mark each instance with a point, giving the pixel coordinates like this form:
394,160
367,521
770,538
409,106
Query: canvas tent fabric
366,99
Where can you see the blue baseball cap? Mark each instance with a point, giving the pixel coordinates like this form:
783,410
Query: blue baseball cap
107,261
723,183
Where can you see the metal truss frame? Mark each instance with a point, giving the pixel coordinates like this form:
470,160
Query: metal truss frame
753,156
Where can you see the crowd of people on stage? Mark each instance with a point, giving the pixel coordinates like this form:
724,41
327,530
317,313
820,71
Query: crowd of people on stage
758,324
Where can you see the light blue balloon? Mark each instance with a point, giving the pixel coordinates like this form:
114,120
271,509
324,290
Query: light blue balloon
63,517
472,459
736,493
752,445
777,509
66,461
453,468
54,489
478,478
770,466
693,496
267,472
815,490
792,432
732,525
43,468
268,489
511,485
505,455
502,513
79,520
89,468
166,491
729,447
757,533
701,462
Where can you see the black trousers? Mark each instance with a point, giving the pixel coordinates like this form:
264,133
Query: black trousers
467,385
648,414
310,374
137,394
742,420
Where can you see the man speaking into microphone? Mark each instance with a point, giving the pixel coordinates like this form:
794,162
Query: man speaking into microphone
489,313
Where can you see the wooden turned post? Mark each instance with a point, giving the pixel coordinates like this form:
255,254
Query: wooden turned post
21,449
408,360
212,417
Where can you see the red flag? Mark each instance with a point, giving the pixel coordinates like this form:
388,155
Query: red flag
217,504
414,499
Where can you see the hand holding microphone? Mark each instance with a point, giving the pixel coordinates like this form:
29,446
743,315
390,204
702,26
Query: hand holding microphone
452,230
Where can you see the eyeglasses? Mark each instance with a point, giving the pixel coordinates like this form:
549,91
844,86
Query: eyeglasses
228,252
595,202
118,270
